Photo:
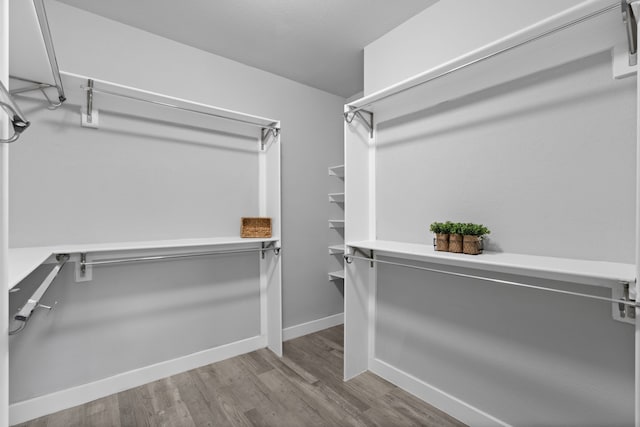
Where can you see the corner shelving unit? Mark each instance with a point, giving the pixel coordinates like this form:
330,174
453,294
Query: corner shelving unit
337,224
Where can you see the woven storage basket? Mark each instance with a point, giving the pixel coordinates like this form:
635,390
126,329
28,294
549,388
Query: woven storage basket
455,243
472,245
255,227
442,242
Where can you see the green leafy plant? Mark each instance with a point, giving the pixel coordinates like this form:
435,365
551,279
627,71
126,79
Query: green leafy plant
455,228
439,228
464,228
471,229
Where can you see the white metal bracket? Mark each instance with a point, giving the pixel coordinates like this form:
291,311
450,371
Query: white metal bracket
349,116
354,251
269,246
89,116
623,312
264,136
630,15
84,273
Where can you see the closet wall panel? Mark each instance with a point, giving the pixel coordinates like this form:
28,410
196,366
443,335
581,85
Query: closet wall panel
547,162
135,178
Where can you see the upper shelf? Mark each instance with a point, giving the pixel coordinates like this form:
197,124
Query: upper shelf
595,273
530,50
23,261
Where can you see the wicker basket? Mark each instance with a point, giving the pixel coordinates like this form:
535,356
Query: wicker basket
472,245
442,242
255,227
455,243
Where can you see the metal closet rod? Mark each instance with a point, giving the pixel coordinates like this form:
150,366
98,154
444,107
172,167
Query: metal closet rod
48,43
177,107
491,55
631,303
34,301
187,255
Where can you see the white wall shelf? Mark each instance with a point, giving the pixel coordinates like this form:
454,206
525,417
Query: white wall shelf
337,171
596,273
336,197
336,249
23,261
336,275
336,223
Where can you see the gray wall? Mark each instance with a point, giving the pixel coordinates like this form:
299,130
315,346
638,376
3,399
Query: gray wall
541,161
133,179
59,162
439,37
548,163
129,317
311,122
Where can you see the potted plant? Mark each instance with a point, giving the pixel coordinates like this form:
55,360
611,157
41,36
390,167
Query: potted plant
455,237
472,237
441,230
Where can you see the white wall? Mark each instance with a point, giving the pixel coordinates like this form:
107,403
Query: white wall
58,156
311,122
4,223
541,159
445,31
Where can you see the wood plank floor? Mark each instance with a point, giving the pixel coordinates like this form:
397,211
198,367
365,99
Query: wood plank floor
304,388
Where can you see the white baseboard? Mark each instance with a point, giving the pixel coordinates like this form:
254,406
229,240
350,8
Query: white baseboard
33,408
311,327
453,406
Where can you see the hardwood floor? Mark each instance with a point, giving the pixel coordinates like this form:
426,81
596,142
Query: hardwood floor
304,388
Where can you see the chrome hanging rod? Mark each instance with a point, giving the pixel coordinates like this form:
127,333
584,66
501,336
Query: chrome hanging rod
33,302
177,107
636,304
560,28
48,43
84,263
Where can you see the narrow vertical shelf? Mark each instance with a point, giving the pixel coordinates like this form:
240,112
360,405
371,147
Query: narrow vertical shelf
337,198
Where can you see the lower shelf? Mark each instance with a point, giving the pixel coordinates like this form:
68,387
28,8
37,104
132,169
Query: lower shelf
336,223
336,275
588,272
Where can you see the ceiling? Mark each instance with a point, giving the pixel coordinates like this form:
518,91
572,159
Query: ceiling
315,42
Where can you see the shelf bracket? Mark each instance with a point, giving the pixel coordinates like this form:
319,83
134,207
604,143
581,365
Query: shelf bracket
270,246
630,15
360,114
18,122
264,136
89,117
33,86
349,259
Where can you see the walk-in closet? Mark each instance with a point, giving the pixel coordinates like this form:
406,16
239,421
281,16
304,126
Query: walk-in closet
275,213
